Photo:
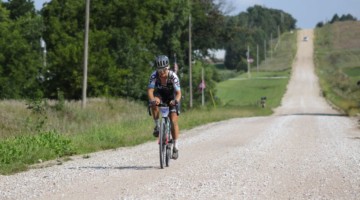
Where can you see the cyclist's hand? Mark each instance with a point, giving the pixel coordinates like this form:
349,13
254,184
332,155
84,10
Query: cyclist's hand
174,102
154,102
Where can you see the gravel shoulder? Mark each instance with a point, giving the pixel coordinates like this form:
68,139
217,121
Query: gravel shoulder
306,150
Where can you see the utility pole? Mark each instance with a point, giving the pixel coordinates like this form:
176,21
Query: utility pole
190,67
257,58
203,87
43,45
278,39
86,41
265,50
271,50
279,34
248,60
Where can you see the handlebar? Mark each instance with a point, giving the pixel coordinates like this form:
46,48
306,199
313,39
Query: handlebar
162,104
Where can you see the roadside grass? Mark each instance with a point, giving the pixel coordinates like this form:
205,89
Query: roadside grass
111,136
282,56
225,73
268,80
243,91
337,61
19,152
205,115
36,131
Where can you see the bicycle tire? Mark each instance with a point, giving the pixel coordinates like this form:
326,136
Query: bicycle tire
168,156
162,145
168,146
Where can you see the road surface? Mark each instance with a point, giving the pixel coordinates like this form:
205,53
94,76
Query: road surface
306,150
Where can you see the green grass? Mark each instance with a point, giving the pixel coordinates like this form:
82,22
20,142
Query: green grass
225,73
201,116
243,91
19,152
337,58
353,71
44,130
282,56
271,80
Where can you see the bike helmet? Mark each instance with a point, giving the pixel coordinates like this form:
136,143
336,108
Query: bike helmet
162,62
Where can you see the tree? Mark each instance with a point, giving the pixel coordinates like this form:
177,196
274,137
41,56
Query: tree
347,17
20,8
335,19
250,29
124,37
20,58
207,20
320,24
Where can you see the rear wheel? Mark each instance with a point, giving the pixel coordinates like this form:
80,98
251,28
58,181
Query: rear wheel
169,145
168,155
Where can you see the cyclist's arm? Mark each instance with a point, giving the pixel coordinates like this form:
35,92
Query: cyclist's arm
151,87
178,95
176,83
150,93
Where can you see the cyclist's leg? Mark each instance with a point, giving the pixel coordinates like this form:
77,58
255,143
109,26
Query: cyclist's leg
155,110
174,125
156,115
175,134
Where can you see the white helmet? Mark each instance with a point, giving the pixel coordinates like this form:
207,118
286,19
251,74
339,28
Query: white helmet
162,61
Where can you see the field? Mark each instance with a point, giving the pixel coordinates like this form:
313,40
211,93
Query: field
337,60
268,80
242,91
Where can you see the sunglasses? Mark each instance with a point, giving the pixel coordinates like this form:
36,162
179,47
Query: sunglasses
163,70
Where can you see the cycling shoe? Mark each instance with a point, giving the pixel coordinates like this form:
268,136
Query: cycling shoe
175,154
156,132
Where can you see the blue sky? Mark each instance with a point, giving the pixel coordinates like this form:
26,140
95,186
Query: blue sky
307,12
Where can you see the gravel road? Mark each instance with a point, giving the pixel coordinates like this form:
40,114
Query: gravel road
306,150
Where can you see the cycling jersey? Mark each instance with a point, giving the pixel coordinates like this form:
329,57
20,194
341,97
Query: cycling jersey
166,92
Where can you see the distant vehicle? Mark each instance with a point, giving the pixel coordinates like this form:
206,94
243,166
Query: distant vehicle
306,38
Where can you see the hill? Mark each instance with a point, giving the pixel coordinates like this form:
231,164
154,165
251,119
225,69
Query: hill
337,60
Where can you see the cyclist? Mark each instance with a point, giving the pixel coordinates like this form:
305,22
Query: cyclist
164,86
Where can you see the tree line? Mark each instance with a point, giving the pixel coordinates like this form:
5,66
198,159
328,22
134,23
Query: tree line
336,18
124,38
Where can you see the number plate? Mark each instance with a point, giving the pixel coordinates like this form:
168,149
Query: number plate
164,111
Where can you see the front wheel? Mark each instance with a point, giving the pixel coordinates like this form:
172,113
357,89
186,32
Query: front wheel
162,144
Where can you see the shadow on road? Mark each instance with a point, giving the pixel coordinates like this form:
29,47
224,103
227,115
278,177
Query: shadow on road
318,114
355,138
120,168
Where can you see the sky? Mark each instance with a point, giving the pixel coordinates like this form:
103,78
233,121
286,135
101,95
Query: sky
307,12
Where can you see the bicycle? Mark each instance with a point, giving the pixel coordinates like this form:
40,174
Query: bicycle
165,137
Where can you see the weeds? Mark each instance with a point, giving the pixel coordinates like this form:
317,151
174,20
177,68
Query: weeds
37,121
18,152
337,64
